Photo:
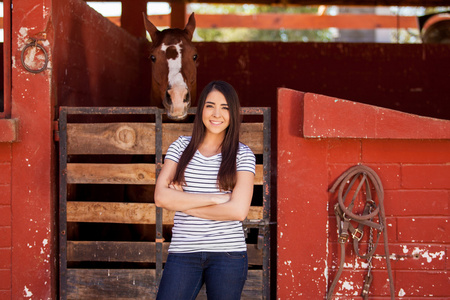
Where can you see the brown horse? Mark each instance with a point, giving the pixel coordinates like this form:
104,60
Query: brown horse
174,68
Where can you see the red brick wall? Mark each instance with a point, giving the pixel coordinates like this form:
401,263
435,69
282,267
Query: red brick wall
5,221
319,138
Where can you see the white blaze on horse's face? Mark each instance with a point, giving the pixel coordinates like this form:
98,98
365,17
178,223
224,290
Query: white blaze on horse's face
177,95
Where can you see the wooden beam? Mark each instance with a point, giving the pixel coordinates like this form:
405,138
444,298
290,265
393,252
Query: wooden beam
296,21
139,138
135,284
136,252
88,173
128,213
178,18
287,21
320,2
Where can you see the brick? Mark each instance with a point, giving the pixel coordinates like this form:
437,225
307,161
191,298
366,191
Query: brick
389,174
405,151
5,234
5,152
351,283
411,257
5,215
5,280
5,294
344,151
391,230
423,283
426,176
5,173
416,203
5,258
5,194
423,229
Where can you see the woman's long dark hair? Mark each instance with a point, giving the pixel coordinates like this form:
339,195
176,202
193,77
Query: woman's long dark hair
226,179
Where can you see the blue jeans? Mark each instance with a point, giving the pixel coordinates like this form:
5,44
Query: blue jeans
224,274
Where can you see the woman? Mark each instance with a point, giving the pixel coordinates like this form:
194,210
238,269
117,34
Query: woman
208,180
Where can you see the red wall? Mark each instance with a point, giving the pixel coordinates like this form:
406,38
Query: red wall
319,138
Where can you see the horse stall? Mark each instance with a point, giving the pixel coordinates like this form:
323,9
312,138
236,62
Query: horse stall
77,95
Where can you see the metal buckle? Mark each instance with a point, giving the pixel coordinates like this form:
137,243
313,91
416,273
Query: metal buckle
343,238
355,234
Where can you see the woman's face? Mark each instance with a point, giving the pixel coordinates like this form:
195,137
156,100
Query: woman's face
216,116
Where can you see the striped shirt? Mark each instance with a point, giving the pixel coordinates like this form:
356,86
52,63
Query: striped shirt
193,234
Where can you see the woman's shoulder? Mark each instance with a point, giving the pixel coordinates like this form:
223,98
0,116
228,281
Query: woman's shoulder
244,149
180,143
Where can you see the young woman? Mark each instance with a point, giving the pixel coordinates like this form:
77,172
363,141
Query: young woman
208,180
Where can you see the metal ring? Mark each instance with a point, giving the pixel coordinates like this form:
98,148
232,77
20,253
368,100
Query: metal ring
34,43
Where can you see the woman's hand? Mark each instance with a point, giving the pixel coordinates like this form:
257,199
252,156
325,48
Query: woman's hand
222,198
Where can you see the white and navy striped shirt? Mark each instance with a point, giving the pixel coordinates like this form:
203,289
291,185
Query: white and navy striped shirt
192,234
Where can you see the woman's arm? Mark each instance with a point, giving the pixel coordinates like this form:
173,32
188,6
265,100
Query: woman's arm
235,209
173,199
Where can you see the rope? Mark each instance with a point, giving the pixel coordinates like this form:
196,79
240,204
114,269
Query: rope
344,215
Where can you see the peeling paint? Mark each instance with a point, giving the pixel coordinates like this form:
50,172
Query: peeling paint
27,293
401,293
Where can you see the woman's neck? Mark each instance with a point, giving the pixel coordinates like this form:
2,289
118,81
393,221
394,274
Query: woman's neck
211,145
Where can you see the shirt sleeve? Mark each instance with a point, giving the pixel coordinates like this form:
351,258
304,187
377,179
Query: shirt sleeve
245,160
176,149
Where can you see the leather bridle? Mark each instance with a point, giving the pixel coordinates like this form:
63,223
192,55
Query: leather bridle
368,178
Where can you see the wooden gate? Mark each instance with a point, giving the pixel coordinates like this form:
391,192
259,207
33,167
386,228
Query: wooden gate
98,148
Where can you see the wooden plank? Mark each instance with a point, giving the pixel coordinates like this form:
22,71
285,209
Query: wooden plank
111,138
111,284
122,173
136,252
139,138
111,173
127,213
134,284
293,21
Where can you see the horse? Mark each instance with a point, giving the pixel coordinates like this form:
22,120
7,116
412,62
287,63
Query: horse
174,68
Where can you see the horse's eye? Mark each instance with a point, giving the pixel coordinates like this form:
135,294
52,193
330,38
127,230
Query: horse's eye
153,58
194,57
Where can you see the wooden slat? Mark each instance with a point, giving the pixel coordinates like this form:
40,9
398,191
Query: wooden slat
139,138
291,21
134,284
127,213
111,173
111,138
111,284
136,252
122,173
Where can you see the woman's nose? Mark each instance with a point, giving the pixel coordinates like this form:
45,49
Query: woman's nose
217,112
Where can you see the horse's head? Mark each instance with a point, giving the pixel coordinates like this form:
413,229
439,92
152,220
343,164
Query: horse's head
174,67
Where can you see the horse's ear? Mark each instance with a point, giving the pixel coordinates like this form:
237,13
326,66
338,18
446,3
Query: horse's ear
190,26
151,29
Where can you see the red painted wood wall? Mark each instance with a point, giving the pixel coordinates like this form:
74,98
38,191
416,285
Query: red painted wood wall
320,137
94,63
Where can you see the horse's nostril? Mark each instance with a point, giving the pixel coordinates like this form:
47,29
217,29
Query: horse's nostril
168,98
187,98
